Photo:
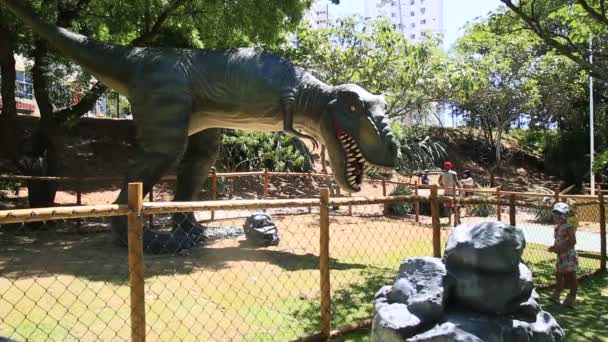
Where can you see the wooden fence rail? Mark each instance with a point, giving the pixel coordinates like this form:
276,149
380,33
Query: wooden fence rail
137,209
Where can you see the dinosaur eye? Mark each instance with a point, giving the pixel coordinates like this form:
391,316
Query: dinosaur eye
353,108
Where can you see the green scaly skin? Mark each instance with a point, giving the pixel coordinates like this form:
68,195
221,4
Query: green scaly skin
181,98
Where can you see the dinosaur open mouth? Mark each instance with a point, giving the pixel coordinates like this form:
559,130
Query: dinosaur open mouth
355,162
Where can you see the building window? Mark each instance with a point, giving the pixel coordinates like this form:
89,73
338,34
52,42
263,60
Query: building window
394,15
422,10
413,36
412,2
423,21
394,26
412,13
394,3
412,25
23,87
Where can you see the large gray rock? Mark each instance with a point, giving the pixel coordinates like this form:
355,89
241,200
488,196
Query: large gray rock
486,246
493,293
416,300
472,327
422,284
529,308
392,322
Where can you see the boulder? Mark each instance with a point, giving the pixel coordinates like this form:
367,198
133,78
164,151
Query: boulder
486,246
493,293
422,284
528,309
392,322
464,326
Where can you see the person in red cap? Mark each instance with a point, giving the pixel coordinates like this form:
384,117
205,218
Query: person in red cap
448,180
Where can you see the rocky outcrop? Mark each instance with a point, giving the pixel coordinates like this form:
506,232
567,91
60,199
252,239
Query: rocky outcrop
480,291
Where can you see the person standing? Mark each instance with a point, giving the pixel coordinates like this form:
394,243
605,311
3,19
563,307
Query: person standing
449,180
467,182
567,259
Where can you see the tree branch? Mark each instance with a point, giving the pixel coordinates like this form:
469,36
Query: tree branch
160,20
599,17
565,49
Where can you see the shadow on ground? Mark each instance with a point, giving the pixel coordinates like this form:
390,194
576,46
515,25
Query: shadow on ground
95,257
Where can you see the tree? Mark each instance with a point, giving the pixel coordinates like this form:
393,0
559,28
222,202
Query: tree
501,68
376,56
191,23
566,26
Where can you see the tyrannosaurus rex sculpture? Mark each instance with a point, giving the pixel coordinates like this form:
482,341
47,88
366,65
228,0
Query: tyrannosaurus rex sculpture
181,98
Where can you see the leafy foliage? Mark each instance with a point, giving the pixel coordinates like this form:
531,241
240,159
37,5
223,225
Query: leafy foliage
377,57
245,151
401,209
543,215
483,209
418,150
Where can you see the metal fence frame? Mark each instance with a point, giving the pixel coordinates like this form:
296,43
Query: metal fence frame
136,210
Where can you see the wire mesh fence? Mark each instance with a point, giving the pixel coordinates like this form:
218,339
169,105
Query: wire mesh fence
62,277
62,280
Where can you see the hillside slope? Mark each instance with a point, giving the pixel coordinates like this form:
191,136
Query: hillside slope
101,147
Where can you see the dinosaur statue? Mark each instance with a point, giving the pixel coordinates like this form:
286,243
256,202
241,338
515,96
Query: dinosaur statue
181,98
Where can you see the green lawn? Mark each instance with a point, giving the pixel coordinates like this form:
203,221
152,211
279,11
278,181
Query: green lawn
587,322
76,287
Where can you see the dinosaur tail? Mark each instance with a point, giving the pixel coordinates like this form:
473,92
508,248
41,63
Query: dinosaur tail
108,63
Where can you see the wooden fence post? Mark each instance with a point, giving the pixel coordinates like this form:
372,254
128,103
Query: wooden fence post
324,264
435,222
79,191
385,205
350,206
151,198
512,210
136,263
417,203
266,183
556,194
311,188
498,207
455,206
602,231
213,189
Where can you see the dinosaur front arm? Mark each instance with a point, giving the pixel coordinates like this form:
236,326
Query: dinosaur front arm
288,128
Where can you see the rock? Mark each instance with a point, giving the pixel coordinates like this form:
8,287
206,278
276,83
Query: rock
446,332
493,293
464,326
528,310
393,322
422,284
486,246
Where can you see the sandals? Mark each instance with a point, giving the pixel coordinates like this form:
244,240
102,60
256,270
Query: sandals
569,301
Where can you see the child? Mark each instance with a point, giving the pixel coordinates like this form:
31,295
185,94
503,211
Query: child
567,260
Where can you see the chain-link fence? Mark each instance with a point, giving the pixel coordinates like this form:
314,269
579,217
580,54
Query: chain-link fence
62,277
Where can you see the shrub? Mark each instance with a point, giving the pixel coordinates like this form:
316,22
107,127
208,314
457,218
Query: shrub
543,215
483,209
401,209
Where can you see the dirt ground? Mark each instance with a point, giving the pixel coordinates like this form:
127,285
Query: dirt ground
64,286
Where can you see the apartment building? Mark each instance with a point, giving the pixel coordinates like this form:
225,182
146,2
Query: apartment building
24,93
415,18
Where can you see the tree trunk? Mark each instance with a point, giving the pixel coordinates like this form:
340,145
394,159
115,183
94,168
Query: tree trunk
7,73
43,152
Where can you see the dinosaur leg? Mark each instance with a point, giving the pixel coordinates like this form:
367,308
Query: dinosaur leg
162,131
193,170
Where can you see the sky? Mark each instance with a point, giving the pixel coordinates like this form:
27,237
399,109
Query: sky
456,13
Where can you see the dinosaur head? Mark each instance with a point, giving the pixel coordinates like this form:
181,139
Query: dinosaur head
357,134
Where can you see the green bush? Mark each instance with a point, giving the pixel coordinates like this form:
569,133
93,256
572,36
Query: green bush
401,209
543,215
245,151
482,209
418,151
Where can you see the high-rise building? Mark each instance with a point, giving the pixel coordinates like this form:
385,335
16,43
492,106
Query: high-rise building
318,15
415,18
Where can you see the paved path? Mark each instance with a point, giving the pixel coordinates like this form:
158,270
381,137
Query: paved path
543,234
